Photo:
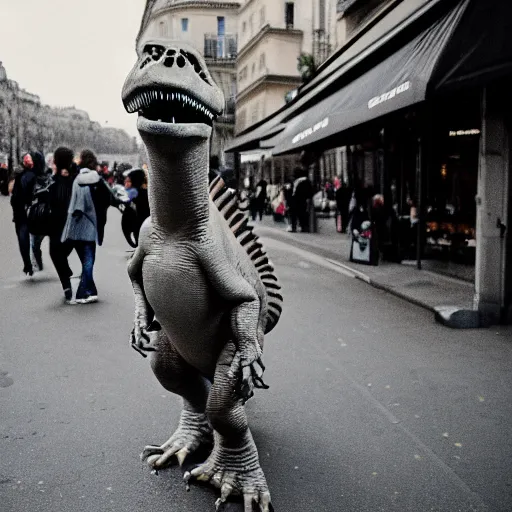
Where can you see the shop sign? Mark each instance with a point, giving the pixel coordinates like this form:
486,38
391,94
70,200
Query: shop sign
310,131
377,100
459,133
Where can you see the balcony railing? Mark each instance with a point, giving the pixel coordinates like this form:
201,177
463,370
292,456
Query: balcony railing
220,47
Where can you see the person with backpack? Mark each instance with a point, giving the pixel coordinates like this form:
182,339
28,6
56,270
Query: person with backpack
21,199
59,198
85,223
41,186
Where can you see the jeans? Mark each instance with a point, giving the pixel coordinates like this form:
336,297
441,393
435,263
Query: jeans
59,253
24,243
35,243
87,253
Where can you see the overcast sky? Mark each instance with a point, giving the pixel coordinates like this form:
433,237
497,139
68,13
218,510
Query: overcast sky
73,52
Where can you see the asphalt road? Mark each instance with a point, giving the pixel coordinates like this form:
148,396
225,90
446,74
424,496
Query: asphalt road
372,406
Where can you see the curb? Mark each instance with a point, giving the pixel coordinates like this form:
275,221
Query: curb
465,317
386,288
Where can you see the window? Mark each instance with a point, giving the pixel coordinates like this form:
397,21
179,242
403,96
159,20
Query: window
253,68
242,117
243,74
251,24
184,24
255,113
262,61
289,14
262,16
321,8
244,27
221,26
162,29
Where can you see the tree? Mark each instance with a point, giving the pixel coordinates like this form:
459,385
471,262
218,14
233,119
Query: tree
306,66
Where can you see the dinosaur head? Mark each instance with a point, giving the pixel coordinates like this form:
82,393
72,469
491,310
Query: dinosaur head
172,90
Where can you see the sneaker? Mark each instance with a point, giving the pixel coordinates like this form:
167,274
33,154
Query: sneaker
68,294
88,300
70,302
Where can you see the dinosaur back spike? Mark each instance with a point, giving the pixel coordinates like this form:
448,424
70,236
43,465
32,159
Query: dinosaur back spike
233,211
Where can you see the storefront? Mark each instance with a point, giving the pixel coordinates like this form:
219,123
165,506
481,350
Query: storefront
414,100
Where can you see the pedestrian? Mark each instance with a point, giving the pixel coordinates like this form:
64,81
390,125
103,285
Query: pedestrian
261,197
4,179
130,190
303,195
21,198
85,223
43,180
343,195
60,197
291,214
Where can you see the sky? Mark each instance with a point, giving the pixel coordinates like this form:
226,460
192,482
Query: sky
73,52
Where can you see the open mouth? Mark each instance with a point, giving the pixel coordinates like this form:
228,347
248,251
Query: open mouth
169,106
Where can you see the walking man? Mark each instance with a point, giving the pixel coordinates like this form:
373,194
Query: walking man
21,199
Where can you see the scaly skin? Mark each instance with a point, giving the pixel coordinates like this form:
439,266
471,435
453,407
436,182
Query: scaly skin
190,272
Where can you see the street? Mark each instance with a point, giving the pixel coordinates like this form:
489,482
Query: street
371,406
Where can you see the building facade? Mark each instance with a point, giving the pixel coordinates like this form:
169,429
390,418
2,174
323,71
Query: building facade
209,26
271,37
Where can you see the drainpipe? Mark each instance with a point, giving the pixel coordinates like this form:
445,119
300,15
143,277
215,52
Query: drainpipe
420,223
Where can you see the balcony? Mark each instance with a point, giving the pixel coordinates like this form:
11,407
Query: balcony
220,47
228,115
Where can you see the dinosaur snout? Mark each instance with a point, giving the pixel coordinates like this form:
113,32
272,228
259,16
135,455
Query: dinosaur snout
173,67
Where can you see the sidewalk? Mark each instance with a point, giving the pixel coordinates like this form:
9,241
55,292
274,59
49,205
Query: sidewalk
421,287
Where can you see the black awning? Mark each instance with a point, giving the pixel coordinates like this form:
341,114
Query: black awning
397,82
480,49
391,24
251,140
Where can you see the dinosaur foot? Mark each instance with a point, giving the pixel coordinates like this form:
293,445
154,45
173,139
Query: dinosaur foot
193,432
236,472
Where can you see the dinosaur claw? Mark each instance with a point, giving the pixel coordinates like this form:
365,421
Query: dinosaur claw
137,349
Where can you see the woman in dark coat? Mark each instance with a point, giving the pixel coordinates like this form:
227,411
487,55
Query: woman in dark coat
60,196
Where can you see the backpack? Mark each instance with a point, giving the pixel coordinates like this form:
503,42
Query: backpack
39,213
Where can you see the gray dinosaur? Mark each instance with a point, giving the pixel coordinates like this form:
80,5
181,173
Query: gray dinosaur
205,291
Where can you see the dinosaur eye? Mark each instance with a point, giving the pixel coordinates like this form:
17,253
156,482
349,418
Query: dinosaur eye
154,51
195,64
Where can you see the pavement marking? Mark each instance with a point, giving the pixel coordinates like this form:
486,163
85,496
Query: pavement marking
318,260
435,459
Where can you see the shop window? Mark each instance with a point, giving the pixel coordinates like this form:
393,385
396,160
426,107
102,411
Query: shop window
184,24
289,14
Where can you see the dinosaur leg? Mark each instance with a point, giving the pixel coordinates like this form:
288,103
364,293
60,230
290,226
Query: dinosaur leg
177,376
233,465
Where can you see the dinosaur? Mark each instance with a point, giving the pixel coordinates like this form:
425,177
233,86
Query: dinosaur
205,290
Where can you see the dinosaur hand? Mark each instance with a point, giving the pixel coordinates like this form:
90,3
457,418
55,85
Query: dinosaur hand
250,367
140,339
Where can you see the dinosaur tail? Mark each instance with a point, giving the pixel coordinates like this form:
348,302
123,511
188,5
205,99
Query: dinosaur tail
227,202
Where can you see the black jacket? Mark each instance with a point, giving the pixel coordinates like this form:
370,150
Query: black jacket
60,196
22,194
